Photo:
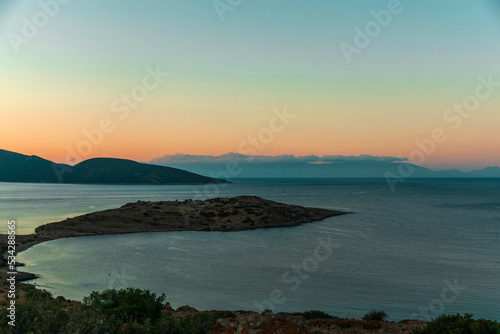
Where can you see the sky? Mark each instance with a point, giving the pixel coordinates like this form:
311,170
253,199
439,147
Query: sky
142,79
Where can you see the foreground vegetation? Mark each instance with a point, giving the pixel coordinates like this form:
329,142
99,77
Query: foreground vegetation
457,324
140,311
111,311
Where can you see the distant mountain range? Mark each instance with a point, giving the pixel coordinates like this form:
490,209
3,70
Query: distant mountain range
186,169
290,166
15,167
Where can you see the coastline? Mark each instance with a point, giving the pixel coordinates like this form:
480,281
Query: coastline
219,214
305,321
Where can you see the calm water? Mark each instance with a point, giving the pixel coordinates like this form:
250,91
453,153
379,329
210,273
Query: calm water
431,247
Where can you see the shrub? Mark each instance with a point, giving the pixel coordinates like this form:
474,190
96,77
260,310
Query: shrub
127,304
40,313
167,324
84,320
223,213
223,314
375,315
457,324
315,314
112,311
197,323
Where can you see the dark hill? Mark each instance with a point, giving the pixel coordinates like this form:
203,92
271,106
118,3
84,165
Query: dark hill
121,171
15,167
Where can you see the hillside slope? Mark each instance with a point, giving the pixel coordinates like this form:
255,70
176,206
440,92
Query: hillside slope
15,167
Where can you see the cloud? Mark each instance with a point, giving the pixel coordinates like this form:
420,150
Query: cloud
180,158
322,162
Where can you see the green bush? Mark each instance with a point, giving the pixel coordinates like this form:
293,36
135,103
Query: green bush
112,311
316,314
457,324
127,305
84,320
375,315
223,314
40,313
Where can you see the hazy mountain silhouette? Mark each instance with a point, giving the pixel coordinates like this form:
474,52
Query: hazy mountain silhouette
289,166
15,167
485,172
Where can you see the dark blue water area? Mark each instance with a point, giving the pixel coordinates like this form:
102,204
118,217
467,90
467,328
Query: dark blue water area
429,247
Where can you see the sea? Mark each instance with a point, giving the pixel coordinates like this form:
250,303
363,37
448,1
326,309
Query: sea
426,248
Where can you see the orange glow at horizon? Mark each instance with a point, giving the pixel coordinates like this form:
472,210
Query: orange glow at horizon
148,132
225,80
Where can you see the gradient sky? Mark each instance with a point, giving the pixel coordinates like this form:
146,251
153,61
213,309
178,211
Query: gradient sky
227,76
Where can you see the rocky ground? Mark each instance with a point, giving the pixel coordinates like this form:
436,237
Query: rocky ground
256,323
218,214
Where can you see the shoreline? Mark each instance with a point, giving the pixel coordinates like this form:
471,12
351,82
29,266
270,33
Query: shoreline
21,276
235,214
